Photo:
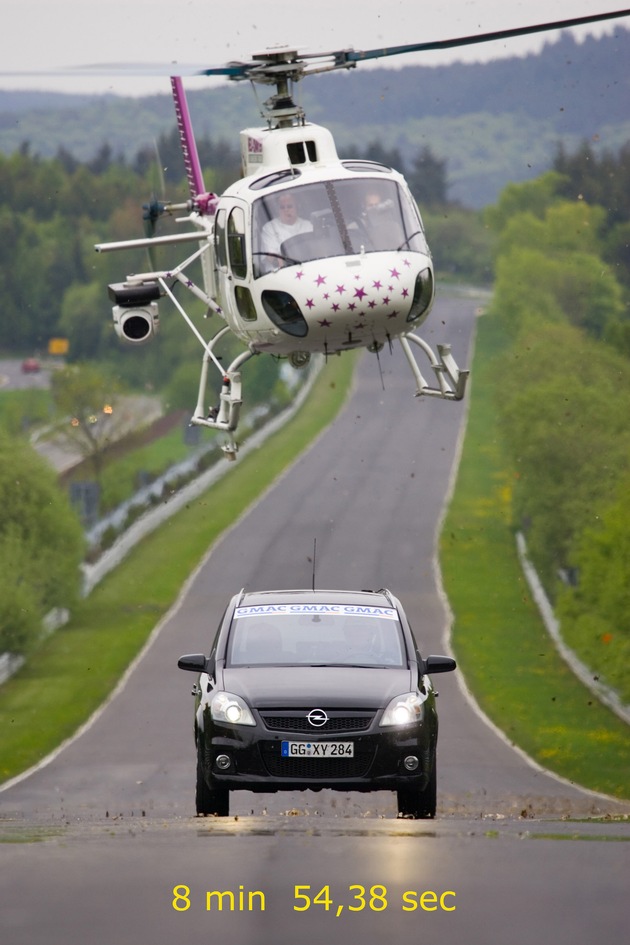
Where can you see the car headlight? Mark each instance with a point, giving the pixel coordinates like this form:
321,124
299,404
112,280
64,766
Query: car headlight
231,709
405,709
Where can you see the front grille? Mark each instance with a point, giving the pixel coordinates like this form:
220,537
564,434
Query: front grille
323,769
296,721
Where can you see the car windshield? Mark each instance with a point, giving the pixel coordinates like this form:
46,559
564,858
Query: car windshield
316,635
333,218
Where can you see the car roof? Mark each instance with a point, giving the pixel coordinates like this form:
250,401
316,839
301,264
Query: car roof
381,598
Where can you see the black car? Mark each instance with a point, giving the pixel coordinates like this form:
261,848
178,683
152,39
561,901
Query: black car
316,689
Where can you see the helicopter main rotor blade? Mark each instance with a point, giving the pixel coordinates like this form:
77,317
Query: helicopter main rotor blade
267,66
351,57
262,69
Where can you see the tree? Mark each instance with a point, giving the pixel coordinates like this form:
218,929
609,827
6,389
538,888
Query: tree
602,556
595,613
427,179
462,247
564,403
41,545
85,322
549,266
88,402
531,197
388,156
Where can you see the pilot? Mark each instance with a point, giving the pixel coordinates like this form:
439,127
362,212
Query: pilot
371,200
361,229
379,222
284,225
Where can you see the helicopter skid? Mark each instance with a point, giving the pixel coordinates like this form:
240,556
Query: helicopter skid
451,381
230,449
226,414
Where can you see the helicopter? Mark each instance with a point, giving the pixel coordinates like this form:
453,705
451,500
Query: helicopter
307,253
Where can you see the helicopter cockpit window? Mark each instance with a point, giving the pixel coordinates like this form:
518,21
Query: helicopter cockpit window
333,218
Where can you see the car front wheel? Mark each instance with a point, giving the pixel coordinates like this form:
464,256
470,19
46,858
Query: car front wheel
215,801
420,805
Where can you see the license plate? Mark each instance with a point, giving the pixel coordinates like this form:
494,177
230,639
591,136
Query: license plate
317,749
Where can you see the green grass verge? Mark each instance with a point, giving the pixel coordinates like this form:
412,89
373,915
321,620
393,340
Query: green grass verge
502,647
74,670
22,409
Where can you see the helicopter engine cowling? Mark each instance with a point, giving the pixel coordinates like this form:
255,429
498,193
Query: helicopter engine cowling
136,317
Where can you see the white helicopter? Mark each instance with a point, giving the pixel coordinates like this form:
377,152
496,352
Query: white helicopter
306,253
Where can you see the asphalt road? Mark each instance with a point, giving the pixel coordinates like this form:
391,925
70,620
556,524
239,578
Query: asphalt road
13,378
114,810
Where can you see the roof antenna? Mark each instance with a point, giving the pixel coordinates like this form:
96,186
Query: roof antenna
314,558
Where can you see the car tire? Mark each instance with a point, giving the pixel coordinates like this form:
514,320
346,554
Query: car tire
210,802
421,805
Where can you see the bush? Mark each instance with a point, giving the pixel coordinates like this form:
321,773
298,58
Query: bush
41,545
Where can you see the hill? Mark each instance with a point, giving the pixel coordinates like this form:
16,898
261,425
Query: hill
492,122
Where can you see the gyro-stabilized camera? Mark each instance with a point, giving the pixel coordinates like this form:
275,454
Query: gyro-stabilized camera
135,312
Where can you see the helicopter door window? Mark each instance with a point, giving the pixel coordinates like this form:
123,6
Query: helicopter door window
236,243
220,243
245,303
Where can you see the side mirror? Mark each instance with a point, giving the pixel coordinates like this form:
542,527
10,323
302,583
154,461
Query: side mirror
439,664
194,662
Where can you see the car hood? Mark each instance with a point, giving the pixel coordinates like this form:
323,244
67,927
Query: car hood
320,686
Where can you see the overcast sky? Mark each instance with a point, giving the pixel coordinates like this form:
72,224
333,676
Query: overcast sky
44,35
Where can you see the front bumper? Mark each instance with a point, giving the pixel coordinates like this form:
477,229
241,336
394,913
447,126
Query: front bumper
257,763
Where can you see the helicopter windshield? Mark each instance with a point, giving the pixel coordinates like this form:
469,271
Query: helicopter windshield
333,218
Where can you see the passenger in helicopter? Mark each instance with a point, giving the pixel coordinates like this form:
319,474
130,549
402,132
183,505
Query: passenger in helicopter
363,220
380,222
285,224
370,201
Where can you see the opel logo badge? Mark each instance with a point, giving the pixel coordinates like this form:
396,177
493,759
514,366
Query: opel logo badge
317,717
